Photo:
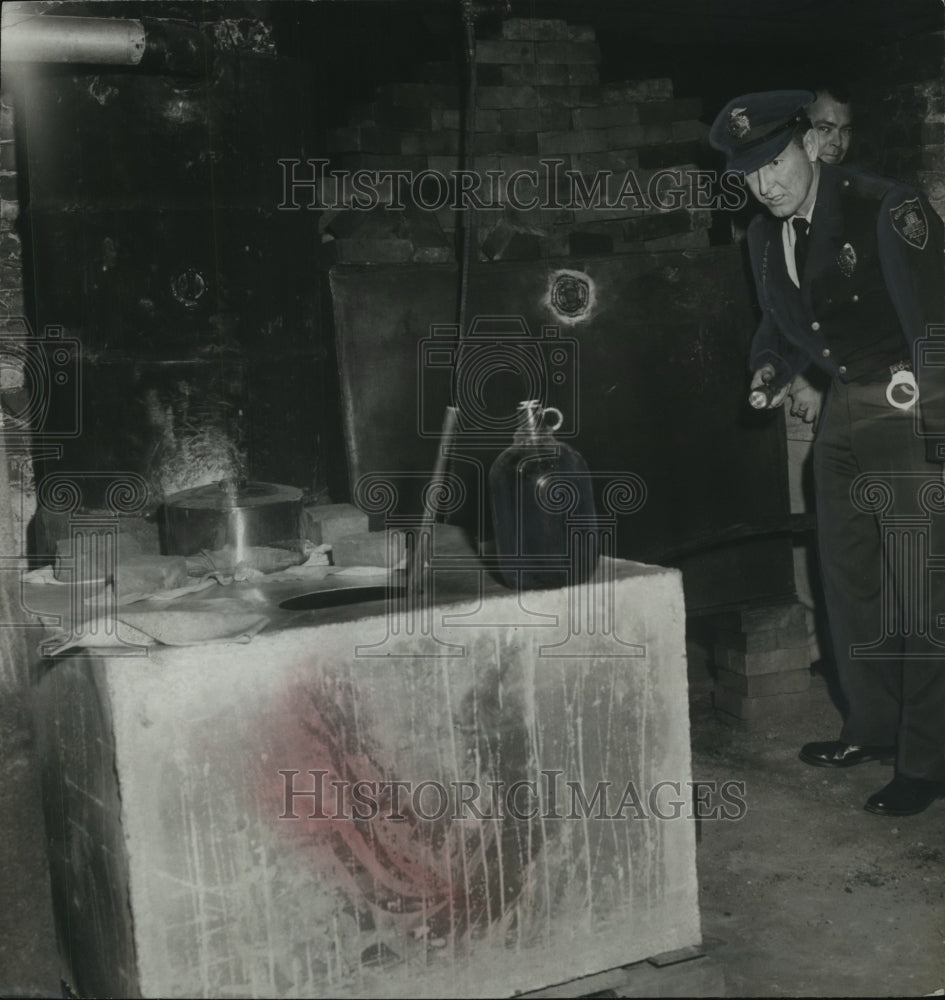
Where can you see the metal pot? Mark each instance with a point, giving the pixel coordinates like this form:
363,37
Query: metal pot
237,516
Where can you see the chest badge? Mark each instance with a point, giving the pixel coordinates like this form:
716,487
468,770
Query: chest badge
846,260
908,219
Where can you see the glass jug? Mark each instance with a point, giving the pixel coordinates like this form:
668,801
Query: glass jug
543,511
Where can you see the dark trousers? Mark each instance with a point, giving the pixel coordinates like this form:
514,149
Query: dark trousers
881,536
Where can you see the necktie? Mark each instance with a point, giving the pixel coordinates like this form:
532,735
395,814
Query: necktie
801,239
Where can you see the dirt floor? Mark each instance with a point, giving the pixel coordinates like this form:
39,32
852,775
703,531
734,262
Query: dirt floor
807,895
29,966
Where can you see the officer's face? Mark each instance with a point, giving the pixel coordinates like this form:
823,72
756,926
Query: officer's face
785,185
832,125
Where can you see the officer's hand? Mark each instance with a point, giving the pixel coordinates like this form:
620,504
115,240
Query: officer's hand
761,377
805,400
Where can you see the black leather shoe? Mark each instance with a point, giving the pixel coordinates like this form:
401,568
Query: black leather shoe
836,754
905,796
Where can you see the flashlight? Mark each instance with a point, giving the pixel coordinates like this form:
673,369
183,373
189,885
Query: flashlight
761,396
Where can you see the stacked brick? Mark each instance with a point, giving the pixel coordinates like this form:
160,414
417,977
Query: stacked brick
14,394
900,129
910,124
762,662
539,98
11,272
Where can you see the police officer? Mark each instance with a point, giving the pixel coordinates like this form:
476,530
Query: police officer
848,269
831,115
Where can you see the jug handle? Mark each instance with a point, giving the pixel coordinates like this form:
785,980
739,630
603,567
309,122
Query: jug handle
558,422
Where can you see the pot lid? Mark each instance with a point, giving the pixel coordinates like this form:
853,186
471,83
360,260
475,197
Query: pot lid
229,494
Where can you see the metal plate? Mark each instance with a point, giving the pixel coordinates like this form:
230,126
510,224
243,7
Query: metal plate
652,380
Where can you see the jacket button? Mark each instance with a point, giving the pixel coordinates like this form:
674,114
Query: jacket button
845,184
856,298
815,326
842,369
826,352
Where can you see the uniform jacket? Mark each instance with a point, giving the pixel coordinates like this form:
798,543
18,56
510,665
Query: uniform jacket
872,291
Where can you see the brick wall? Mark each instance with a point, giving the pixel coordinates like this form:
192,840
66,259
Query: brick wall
11,279
538,98
900,115
18,500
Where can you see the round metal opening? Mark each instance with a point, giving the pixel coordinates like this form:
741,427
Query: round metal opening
339,598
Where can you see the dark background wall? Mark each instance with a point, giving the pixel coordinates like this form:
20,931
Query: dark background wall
153,186
144,205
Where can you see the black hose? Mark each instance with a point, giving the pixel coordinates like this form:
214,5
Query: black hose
468,162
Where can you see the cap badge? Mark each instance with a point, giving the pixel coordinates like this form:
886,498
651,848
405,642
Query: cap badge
738,123
846,260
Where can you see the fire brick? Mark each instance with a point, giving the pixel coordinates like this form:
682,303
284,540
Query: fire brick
759,709
487,119
507,97
517,28
766,616
569,97
534,119
567,52
524,143
11,301
413,119
606,116
763,685
637,135
505,51
8,185
7,154
637,90
763,640
581,141
442,143
772,661
616,160
549,74
9,212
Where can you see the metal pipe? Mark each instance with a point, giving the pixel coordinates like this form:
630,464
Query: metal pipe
41,38
160,46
